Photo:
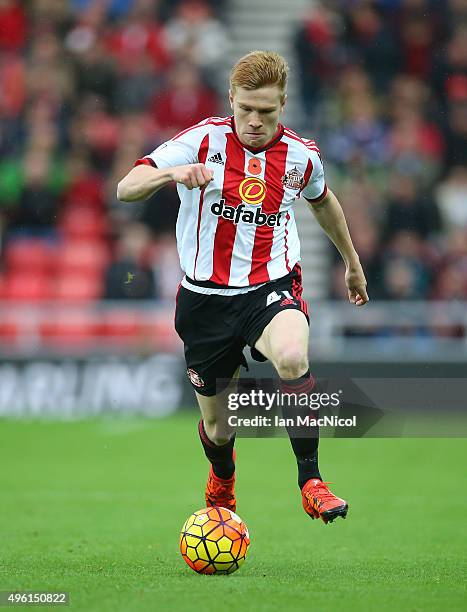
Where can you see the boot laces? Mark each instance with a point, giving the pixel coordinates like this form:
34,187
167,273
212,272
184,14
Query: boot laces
221,490
321,491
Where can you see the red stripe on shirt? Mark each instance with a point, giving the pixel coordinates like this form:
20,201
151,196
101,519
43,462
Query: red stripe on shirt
145,161
192,127
264,235
209,121
306,141
309,144
320,197
286,254
202,156
309,147
306,176
293,137
226,230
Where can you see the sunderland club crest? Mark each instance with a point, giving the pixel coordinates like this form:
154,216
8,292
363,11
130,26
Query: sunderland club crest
195,378
293,179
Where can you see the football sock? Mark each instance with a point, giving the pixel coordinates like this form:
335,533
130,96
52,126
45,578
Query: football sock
305,449
220,457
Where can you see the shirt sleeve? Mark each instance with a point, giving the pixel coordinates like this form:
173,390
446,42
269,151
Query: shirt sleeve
316,187
180,150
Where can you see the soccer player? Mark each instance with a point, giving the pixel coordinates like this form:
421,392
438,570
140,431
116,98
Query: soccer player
238,179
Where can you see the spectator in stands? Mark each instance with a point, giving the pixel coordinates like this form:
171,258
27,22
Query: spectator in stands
366,241
456,134
49,14
14,30
407,208
90,85
137,88
129,276
85,188
95,129
450,285
195,35
361,138
95,73
408,94
38,200
416,146
320,53
400,280
406,268
185,101
115,9
452,198
419,29
12,101
453,263
449,70
12,86
137,37
372,43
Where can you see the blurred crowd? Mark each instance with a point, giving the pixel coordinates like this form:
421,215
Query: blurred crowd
384,85
88,86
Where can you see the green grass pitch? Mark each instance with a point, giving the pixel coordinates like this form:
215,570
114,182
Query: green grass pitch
95,508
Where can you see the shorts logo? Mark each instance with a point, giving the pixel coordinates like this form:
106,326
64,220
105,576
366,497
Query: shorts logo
293,179
195,378
287,299
288,302
252,190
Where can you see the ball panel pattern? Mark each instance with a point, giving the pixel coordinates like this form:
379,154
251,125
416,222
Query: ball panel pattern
214,540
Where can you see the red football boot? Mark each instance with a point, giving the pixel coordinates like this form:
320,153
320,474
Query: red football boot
319,502
221,492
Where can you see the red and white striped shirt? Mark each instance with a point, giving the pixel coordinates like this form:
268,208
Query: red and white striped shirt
240,231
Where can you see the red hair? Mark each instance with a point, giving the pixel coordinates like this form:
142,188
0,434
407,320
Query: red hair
259,69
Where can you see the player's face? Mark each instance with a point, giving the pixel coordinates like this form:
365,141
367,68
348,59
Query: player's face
256,113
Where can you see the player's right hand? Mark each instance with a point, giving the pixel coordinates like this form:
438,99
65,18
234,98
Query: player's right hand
192,175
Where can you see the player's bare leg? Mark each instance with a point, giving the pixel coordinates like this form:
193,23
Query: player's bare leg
218,439
284,342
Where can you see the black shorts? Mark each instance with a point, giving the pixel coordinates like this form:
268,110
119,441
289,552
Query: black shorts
216,328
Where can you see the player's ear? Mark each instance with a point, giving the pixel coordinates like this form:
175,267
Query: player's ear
283,101
231,98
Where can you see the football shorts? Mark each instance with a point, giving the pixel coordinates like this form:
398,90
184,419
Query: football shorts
216,328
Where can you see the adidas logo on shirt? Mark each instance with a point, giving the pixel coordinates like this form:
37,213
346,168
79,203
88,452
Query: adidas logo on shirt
216,158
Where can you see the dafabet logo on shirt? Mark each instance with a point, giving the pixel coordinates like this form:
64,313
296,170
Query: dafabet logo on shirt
252,191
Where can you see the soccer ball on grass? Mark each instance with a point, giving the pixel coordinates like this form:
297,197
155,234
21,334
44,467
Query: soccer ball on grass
214,541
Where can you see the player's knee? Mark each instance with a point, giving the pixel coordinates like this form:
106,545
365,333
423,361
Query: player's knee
214,431
220,440
210,423
291,363
219,437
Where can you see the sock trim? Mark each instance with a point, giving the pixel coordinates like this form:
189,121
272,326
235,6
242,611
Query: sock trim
204,436
303,384
216,477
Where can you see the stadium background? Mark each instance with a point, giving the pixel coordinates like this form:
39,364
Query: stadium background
94,505
87,87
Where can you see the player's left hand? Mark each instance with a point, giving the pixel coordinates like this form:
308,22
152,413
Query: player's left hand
356,285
